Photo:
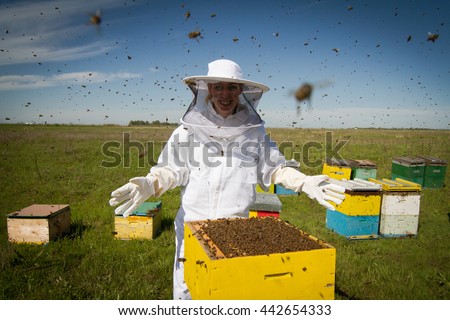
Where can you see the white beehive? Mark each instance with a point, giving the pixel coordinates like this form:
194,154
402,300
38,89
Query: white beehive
400,208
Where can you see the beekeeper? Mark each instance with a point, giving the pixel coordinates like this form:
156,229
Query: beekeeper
218,155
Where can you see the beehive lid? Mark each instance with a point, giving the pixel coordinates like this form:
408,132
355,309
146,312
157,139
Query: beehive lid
397,185
410,161
147,209
39,211
362,164
266,202
433,161
357,185
338,162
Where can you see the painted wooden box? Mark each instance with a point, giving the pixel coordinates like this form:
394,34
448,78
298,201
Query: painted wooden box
363,169
266,204
143,223
408,168
337,169
282,191
353,227
260,190
434,175
279,276
400,208
362,198
39,223
399,226
358,216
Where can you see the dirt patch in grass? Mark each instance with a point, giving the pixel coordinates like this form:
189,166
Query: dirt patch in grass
256,236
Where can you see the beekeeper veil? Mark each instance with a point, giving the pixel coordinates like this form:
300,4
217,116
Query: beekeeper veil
203,120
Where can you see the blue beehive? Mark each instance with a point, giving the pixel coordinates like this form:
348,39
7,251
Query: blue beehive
358,216
353,227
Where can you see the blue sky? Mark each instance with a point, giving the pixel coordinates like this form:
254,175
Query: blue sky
56,67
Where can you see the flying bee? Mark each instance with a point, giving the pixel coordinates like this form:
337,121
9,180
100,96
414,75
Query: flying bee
187,14
304,93
235,39
195,35
95,18
432,37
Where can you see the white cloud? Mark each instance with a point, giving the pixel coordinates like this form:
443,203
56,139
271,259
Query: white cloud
39,31
20,82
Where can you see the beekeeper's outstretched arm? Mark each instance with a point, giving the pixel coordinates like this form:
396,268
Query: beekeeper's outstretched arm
170,172
316,187
134,193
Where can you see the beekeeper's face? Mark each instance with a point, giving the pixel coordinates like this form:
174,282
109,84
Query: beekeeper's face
224,97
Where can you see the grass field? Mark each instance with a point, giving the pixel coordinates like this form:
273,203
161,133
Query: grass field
66,165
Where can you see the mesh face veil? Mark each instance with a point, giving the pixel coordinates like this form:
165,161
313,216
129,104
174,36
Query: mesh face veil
204,121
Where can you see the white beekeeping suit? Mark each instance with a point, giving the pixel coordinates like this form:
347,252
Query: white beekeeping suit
218,162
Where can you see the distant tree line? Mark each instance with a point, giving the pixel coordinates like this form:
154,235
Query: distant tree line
155,123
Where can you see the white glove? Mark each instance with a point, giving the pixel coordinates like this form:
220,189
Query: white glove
132,195
318,187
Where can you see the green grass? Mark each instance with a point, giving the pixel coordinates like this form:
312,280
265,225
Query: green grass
63,164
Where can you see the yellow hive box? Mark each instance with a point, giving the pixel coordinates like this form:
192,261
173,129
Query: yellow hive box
38,223
271,189
143,223
280,276
337,172
360,204
362,198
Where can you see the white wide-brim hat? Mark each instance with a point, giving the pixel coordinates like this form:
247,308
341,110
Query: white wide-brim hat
224,70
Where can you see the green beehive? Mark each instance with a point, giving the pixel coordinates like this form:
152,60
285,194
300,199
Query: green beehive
434,175
363,169
409,168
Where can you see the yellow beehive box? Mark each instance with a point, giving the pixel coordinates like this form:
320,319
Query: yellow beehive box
337,172
38,223
360,204
362,198
209,274
260,190
143,223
